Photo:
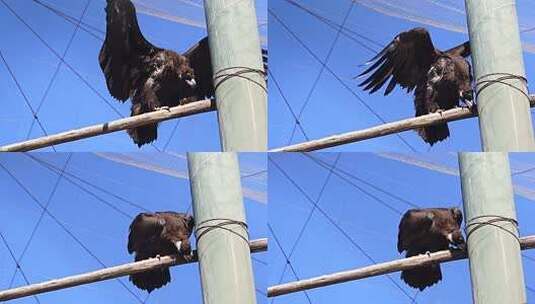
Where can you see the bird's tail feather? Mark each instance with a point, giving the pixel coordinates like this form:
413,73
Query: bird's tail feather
144,134
151,280
434,134
422,277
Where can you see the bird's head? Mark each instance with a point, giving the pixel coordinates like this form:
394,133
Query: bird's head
467,95
189,78
183,247
456,239
465,79
187,74
454,234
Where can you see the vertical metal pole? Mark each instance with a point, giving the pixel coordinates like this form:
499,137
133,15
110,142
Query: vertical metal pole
504,112
241,103
224,258
494,254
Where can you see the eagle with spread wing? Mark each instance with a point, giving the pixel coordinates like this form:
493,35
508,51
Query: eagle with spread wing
158,234
152,77
439,79
428,230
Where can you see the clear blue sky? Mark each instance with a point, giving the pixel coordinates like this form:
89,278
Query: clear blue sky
70,103
152,181
332,108
371,221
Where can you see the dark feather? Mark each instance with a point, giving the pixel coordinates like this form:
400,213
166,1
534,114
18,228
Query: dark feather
123,49
371,68
152,279
434,134
391,86
414,46
462,50
422,277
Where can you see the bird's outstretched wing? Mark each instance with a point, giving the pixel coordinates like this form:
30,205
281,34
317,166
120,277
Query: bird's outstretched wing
413,224
123,50
404,61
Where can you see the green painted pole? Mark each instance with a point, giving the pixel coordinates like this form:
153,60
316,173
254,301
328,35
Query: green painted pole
494,255
224,257
241,103
504,112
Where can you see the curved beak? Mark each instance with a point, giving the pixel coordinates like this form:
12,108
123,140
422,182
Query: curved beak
178,246
191,82
456,239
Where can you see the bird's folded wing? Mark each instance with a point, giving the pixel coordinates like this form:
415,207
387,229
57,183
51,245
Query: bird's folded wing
413,224
144,227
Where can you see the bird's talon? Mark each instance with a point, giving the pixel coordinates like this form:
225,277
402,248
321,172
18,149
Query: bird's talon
166,108
439,111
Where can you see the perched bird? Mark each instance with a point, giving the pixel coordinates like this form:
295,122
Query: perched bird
154,235
422,231
439,79
151,77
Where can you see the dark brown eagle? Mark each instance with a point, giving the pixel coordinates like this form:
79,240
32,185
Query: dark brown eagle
154,235
423,231
440,79
150,76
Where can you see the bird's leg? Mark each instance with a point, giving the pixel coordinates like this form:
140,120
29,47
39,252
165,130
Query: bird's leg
467,96
469,104
187,100
434,108
191,82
